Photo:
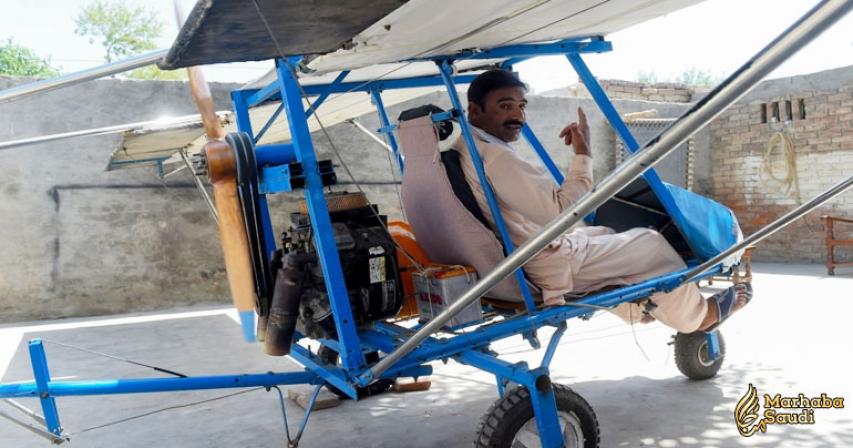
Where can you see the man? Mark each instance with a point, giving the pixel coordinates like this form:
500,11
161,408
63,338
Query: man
585,259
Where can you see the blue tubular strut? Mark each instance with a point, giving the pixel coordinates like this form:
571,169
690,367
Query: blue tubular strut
316,104
546,159
268,124
446,74
537,383
552,344
376,96
324,237
325,94
41,389
151,385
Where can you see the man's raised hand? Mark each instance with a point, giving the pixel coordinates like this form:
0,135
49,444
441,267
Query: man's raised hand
576,134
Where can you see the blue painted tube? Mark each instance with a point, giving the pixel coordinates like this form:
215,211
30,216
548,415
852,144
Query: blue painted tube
256,97
322,98
268,124
332,375
600,96
546,159
275,154
552,345
386,123
272,91
714,351
42,386
352,358
147,385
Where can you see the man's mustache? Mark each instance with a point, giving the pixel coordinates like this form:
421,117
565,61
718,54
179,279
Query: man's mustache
513,122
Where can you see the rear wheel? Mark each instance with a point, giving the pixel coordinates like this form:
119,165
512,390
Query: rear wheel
330,356
692,357
510,422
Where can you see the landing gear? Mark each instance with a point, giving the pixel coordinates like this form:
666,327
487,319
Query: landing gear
510,422
692,355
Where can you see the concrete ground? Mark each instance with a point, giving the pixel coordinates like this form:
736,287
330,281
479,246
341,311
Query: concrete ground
790,340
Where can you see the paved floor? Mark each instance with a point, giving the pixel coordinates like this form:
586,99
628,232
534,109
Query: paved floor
792,339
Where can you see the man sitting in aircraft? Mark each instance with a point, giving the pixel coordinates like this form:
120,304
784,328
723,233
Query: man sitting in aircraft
589,258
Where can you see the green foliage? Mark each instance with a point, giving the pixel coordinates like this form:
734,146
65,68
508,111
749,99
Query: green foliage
152,72
649,77
17,60
123,30
691,76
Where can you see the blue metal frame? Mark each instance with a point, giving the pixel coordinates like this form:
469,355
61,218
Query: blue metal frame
376,97
470,348
350,352
540,151
41,373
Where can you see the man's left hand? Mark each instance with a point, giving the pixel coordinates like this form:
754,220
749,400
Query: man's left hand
576,134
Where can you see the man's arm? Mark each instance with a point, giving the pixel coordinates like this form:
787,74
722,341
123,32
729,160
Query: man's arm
528,191
578,179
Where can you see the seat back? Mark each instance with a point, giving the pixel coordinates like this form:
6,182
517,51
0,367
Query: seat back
444,227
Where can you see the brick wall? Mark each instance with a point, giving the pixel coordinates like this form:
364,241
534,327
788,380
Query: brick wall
661,92
822,142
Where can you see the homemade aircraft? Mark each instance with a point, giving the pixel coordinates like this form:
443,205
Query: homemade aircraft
335,276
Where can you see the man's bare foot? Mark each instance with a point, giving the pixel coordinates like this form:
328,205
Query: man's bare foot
724,304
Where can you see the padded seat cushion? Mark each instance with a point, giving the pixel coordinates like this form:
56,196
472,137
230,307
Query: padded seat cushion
444,227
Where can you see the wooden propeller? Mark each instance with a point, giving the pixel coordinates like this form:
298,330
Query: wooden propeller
222,174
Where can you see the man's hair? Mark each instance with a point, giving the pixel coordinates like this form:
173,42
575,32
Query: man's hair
491,80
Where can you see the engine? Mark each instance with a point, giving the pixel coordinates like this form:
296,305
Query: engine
368,258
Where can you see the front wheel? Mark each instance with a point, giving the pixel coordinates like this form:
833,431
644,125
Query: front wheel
692,357
510,422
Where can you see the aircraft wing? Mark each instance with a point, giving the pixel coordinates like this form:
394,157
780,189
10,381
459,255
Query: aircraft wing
369,32
158,142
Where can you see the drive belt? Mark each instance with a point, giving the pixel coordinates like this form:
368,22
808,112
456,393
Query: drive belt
250,200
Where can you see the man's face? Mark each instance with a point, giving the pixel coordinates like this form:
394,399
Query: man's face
502,114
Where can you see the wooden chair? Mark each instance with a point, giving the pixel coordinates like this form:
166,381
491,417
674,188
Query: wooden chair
736,276
832,242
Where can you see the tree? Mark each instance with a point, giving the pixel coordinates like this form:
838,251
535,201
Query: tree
17,60
691,76
124,30
649,77
154,72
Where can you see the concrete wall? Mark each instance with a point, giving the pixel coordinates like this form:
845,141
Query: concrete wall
75,240
823,144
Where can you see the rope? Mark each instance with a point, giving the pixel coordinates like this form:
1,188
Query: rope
168,408
117,358
790,181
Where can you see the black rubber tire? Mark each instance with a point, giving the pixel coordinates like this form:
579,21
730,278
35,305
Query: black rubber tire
330,356
509,414
691,355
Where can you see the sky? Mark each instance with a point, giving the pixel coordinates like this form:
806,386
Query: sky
716,36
